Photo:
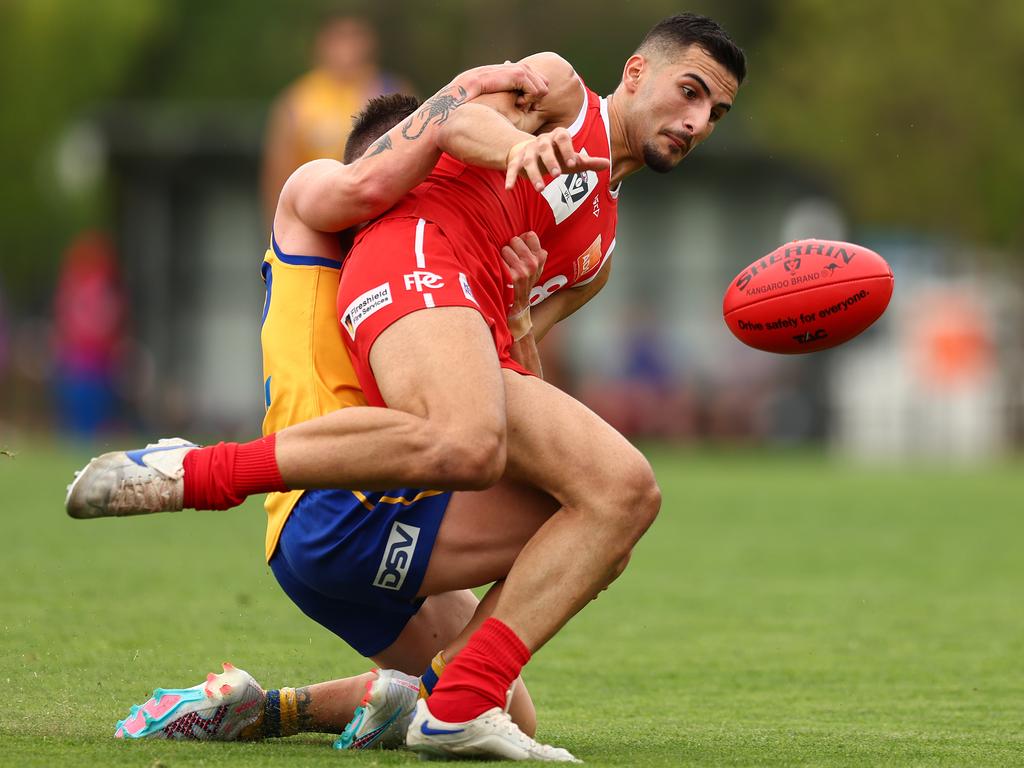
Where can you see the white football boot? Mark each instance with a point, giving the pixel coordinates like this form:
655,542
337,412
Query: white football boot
490,736
384,715
219,709
139,482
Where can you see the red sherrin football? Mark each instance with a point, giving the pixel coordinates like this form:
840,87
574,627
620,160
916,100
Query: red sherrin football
807,295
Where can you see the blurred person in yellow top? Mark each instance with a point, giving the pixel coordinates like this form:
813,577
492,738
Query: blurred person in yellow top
312,118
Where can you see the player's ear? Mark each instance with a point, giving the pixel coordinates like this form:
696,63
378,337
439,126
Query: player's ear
636,67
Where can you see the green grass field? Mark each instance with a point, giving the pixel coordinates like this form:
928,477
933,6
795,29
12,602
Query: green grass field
784,610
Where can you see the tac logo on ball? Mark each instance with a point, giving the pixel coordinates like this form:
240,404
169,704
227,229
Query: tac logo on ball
807,295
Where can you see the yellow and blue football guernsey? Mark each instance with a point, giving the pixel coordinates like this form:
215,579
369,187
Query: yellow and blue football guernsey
306,368
351,560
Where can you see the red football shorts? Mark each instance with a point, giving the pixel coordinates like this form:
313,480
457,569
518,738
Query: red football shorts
403,265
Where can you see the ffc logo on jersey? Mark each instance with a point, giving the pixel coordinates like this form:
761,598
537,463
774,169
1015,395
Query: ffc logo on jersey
567,192
420,280
397,556
364,306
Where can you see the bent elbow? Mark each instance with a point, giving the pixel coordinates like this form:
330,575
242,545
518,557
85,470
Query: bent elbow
368,196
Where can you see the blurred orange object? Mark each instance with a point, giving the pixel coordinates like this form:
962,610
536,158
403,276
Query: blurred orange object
952,340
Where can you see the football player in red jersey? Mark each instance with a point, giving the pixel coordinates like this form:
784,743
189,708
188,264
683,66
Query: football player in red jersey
460,413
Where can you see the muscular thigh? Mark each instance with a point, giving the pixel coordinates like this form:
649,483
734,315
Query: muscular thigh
560,447
440,363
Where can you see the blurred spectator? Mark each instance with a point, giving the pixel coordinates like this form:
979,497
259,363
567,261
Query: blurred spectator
648,397
313,116
89,309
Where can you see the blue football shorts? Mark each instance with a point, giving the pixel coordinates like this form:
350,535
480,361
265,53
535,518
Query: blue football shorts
354,562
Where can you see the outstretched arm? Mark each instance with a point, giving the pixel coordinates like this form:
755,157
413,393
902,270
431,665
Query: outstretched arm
328,196
479,135
497,130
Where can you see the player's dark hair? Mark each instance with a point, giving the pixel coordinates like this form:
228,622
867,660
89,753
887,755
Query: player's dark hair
688,29
379,116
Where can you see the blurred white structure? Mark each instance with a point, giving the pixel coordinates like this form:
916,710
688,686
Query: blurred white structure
939,378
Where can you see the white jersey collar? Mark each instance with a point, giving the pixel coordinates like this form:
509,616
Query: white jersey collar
613,191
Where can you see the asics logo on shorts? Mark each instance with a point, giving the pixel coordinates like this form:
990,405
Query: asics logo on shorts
397,556
420,281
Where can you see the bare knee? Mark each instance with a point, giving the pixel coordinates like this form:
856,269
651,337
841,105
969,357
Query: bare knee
637,501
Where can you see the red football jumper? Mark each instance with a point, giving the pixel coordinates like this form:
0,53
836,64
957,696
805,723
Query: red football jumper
440,246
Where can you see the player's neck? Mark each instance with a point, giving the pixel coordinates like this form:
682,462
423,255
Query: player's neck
626,159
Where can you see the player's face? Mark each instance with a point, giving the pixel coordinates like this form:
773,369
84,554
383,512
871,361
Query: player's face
681,100
346,46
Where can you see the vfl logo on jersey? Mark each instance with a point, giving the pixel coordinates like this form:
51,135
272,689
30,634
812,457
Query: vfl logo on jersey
397,556
587,260
567,192
364,306
420,280
466,290
576,188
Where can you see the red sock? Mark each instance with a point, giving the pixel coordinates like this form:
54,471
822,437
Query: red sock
480,675
222,475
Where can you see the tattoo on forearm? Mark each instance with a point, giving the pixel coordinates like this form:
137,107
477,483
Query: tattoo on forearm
436,109
303,698
380,145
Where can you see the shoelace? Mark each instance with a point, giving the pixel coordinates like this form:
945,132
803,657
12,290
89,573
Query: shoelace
135,491
503,723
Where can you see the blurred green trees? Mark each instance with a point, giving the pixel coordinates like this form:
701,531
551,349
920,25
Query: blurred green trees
60,59
914,110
